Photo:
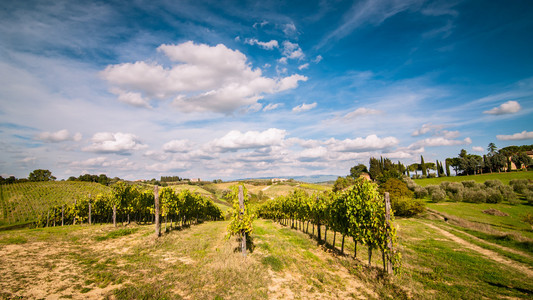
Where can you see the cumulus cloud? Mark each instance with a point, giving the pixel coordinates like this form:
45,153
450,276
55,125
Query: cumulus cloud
174,166
440,141
371,142
265,45
236,140
178,146
107,142
59,136
524,135
304,107
292,50
509,107
158,156
361,111
201,78
478,149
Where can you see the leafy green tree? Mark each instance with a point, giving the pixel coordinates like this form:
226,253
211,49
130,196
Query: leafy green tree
41,175
343,182
375,168
521,159
357,170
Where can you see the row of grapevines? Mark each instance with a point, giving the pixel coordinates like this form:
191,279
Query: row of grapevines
358,212
132,202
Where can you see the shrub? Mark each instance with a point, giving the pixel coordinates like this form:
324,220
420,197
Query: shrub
438,195
455,191
494,196
469,184
432,188
396,188
508,194
420,192
410,182
406,207
519,185
529,196
444,185
476,196
493,183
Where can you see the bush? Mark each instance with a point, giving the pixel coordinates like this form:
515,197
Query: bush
529,196
493,183
508,194
438,195
455,191
476,196
420,192
519,185
396,188
406,207
410,182
469,184
494,196
432,188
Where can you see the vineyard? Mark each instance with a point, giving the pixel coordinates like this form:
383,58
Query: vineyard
359,213
25,202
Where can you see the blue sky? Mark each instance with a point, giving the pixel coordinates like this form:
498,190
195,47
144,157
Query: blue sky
226,89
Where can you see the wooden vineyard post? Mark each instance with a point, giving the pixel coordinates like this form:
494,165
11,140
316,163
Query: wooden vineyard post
241,214
90,220
62,214
157,221
387,264
114,215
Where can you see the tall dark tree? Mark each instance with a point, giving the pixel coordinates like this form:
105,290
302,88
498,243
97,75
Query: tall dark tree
492,148
356,171
447,167
423,165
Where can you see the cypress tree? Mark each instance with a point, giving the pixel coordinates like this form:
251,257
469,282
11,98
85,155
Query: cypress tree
423,166
438,169
447,168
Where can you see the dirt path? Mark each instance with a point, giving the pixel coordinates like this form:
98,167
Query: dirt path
266,188
488,253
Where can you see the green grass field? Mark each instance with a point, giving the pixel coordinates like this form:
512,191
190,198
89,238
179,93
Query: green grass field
503,177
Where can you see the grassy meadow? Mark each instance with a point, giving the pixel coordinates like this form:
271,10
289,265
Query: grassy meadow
504,177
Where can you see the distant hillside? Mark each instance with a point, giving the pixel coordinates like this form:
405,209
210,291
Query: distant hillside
308,179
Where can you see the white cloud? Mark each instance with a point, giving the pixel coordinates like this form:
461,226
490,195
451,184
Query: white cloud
361,111
318,59
59,136
509,107
158,156
292,50
312,154
428,127
440,141
174,166
107,142
524,135
260,24
101,163
235,140
478,149
304,107
265,45
371,142
202,78
289,29
272,106
178,146
304,66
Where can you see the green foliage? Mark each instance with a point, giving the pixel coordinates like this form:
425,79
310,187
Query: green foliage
423,165
396,188
343,182
357,170
407,207
41,175
241,220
